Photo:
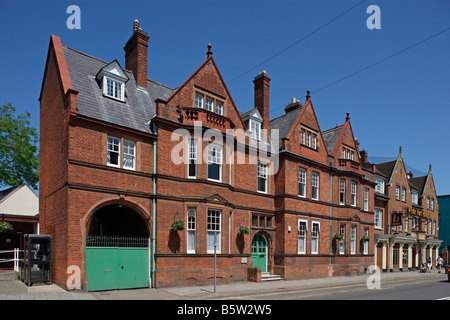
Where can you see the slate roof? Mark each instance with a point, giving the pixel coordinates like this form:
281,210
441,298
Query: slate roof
139,106
284,123
386,168
330,137
418,182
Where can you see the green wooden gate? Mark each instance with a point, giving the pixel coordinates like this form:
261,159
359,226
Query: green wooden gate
116,263
259,252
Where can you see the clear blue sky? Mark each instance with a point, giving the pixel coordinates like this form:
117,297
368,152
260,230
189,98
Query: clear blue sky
402,101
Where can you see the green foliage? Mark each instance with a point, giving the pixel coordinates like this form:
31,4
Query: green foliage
6,227
243,230
177,225
19,158
338,236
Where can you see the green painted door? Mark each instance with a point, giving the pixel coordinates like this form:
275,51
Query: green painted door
101,268
117,263
133,268
259,252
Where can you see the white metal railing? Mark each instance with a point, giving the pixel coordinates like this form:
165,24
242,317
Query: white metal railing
15,259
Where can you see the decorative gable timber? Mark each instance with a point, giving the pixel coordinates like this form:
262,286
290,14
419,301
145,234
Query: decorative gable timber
180,106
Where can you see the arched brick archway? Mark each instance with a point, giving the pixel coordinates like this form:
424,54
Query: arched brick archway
116,253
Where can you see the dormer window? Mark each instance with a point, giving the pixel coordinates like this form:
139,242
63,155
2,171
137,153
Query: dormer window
114,89
112,80
253,121
255,127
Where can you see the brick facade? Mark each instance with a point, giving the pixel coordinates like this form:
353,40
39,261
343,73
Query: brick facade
77,182
407,234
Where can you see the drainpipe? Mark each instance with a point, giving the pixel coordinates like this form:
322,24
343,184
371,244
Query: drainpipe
155,130
331,213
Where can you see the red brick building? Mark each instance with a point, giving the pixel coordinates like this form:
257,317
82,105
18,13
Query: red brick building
406,217
124,159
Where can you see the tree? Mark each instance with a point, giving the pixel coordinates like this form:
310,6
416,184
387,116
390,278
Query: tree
19,158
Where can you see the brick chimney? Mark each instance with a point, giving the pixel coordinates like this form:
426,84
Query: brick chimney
261,82
364,156
136,54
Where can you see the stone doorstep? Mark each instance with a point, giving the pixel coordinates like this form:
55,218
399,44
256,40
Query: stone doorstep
266,276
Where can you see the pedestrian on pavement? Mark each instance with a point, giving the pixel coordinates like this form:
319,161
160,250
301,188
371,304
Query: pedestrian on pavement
429,265
439,263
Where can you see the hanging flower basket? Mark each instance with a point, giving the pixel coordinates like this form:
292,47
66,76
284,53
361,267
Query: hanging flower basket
6,227
177,225
365,239
338,236
243,230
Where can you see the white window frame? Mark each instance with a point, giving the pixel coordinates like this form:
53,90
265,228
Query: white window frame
397,192
404,194
192,156
302,182
315,185
342,230
380,185
215,159
414,197
353,233
432,204
378,219
342,191
109,150
366,243
209,104
219,107
199,100
127,147
353,194
262,174
117,88
191,219
366,199
255,128
214,229
428,202
303,136
406,223
302,236
314,141
315,237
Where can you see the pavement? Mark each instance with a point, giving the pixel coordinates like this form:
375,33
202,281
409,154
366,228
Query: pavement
16,290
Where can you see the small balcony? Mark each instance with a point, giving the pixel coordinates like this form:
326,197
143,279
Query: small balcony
208,118
347,164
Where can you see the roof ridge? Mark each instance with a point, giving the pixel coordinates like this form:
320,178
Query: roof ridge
103,61
335,128
284,114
